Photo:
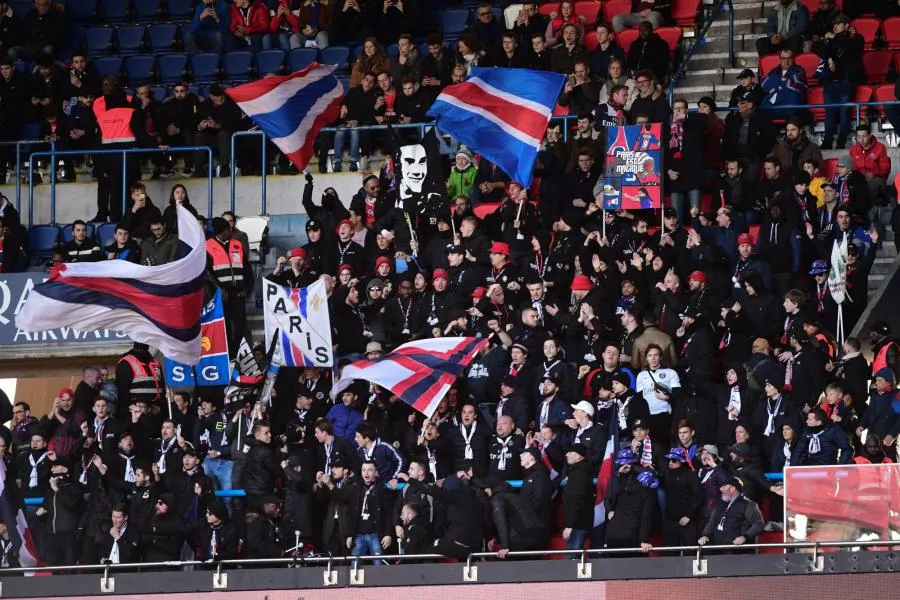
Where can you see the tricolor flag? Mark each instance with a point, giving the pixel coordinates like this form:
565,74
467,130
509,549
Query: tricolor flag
299,318
292,109
502,114
420,373
16,525
159,305
606,473
213,366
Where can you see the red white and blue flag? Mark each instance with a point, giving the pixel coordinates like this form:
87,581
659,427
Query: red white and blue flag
16,525
420,373
606,472
292,109
501,114
159,305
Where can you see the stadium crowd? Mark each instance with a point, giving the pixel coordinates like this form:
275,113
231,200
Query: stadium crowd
704,351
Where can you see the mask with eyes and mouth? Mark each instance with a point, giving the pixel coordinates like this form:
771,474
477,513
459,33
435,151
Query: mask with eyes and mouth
413,169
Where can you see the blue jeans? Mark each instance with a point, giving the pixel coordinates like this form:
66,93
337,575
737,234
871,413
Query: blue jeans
339,147
576,542
219,469
367,543
203,42
837,91
678,202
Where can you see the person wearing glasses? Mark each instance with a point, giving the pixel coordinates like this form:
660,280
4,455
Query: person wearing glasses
163,536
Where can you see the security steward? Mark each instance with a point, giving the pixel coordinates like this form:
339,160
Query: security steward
138,375
228,269
121,125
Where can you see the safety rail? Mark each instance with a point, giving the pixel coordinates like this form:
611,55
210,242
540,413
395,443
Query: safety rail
239,493
583,555
713,14
18,176
263,161
52,154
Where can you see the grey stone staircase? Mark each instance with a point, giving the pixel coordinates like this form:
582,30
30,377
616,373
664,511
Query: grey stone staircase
709,72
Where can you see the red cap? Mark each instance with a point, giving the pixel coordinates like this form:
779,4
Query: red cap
745,238
500,248
581,282
346,222
66,392
698,276
382,260
298,253
478,292
440,274
345,266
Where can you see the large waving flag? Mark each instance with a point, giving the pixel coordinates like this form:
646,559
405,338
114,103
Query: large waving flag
420,373
501,114
299,318
159,306
291,109
213,366
16,525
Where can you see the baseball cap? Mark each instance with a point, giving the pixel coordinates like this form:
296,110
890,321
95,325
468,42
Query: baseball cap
746,73
500,248
585,406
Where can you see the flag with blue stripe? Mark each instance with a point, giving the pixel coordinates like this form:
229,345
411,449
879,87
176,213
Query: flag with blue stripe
213,366
501,114
300,320
292,109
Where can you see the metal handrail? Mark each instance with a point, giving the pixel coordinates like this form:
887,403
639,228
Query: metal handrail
690,53
125,183
18,176
264,172
696,550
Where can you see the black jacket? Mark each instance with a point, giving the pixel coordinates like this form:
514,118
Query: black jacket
163,537
578,497
513,515
63,508
465,511
263,538
635,508
652,53
684,496
743,519
129,545
537,489
760,137
261,470
227,540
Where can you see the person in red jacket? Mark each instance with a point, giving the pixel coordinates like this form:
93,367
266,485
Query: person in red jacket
249,26
285,27
870,158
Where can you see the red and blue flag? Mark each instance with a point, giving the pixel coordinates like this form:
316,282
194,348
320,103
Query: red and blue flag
502,114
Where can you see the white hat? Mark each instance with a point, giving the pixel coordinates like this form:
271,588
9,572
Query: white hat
585,406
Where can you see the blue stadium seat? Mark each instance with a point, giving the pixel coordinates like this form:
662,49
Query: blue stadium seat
42,241
139,68
180,10
67,232
20,7
236,65
130,39
453,23
172,67
159,92
301,58
335,55
205,66
114,11
393,50
197,90
162,37
147,10
81,11
269,61
108,65
106,234
98,40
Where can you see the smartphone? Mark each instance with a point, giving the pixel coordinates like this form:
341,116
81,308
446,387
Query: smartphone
571,78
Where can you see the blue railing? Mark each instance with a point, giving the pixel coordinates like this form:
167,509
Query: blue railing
18,175
698,42
516,483
52,154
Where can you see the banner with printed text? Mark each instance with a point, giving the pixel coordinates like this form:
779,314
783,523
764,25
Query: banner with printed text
633,167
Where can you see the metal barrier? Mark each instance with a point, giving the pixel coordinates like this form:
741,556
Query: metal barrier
263,171
697,552
125,183
719,7
18,176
